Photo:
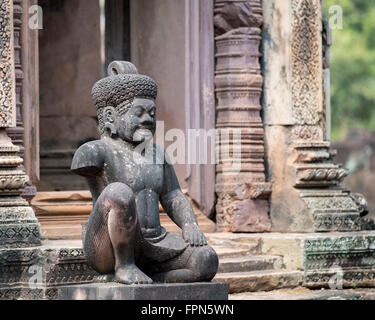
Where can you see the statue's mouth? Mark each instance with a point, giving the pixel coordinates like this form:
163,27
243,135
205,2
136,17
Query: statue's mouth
142,134
146,127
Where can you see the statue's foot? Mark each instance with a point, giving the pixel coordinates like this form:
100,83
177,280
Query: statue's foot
131,274
179,275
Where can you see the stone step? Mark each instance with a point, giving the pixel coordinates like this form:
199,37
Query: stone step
231,252
234,241
250,263
61,214
305,294
265,280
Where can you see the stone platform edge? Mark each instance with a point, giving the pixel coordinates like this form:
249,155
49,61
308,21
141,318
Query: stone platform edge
117,291
162,291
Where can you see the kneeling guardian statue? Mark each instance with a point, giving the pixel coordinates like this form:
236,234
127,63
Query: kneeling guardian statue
123,235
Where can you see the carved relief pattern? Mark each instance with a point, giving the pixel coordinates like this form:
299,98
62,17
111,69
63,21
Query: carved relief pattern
334,211
65,266
70,273
350,278
339,202
344,243
238,87
14,233
71,253
69,266
323,174
344,260
17,132
225,211
338,222
7,98
306,62
355,255
23,293
12,181
307,133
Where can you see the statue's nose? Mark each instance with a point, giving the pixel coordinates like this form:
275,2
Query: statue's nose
146,119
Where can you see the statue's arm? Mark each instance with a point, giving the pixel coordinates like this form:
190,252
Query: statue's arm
88,159
179,209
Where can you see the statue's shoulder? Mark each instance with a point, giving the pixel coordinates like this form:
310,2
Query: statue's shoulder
89,158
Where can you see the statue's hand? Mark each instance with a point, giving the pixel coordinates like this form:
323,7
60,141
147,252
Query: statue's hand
193,235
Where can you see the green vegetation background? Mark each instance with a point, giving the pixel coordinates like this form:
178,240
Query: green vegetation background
352,67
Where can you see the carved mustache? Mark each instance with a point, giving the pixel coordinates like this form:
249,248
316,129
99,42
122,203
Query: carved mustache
146,125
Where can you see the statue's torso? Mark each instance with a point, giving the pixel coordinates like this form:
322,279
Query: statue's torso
124,165
145,180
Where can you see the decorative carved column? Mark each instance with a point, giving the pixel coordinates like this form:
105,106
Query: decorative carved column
306,193
327,42
242,204
17,133
18,225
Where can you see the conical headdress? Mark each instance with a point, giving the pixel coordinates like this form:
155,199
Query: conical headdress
119,89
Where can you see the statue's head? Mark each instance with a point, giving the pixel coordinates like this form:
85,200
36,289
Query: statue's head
125,103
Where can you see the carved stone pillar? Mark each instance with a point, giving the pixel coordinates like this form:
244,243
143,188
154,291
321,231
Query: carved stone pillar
18,225
17,133
306,193
241,185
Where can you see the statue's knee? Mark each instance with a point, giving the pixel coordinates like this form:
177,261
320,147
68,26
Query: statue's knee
205,262
119,195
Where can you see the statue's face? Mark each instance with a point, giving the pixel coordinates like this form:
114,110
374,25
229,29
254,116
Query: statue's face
138,124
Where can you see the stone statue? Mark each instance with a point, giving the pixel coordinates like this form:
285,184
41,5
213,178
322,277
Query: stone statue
123,235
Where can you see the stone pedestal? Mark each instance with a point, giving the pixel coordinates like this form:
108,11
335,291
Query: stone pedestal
306,193
35,273
116,291
57,270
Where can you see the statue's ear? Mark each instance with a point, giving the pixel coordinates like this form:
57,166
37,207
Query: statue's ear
109,114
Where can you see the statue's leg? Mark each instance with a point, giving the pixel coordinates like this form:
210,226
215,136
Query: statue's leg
111,234
195,264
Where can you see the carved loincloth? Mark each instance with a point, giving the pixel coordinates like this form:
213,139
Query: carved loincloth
164,248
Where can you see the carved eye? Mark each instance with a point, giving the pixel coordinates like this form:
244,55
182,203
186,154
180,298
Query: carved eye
152,112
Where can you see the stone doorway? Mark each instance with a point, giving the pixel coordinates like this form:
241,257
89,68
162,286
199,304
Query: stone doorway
77,42
70,62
